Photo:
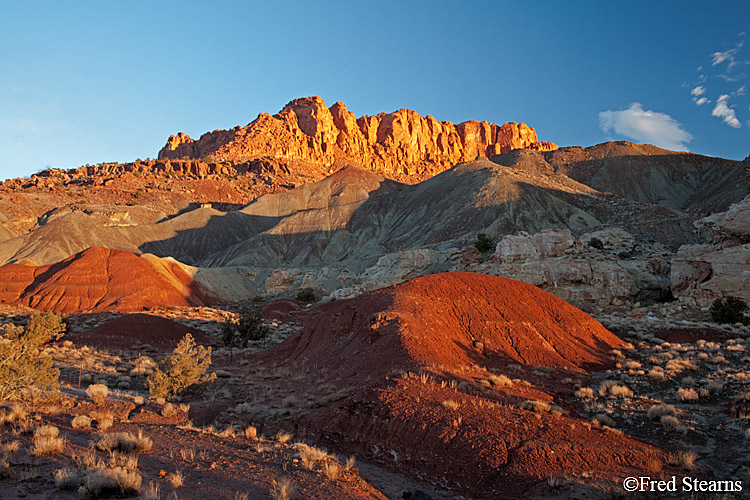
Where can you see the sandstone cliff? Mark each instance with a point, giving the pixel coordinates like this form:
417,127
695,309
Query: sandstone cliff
402,145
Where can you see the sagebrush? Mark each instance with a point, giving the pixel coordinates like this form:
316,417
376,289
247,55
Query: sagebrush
185,369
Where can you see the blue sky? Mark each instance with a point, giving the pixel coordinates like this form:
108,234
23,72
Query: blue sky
86,82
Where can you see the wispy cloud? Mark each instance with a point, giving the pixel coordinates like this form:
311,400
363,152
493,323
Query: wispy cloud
723,111
648,126
724,81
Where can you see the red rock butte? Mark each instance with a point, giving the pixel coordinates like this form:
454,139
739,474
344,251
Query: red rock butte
403,145
99,279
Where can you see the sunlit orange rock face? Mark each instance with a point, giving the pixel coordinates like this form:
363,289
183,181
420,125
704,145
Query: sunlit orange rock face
403,145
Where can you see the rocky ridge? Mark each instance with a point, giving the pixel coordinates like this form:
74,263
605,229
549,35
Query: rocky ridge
402,145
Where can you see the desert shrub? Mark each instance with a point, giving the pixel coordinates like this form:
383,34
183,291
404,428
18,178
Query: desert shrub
249,327
47,441
81,422
729,310
604,420
67,479
584,393
687,394
669,422
22,370
306,295
125,442
184,369
500,381
97,392
658,411
103,481
483,243
596,243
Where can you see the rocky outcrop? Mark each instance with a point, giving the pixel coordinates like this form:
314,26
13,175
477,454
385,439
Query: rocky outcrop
705,272
557,262
403,145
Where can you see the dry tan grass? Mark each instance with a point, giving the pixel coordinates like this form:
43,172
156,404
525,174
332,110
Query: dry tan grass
151,492
67,478
350,462
176,479
687,395
81,422
251,432
449,403
125,442
500,381
47,441
282,489
331,470
584,393
97,392
283,436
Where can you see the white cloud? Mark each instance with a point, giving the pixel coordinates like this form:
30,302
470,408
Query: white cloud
642,125
720,57
701,101
723,111
699,90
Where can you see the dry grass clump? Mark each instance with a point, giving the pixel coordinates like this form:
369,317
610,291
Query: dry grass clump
687,395
658,411
310,455
350,462
282,489
16,413
715,386
584,393
540,407
683,458
449,403
103,481
47,441
143,366
67,479
500,381
283,436
151,492
176,479
97,392
331,470
251,432
104,419
81,422
613,389
125,442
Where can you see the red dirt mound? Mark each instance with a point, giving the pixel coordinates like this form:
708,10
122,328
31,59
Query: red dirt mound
130,330
452,319
99,279
279,309
449,424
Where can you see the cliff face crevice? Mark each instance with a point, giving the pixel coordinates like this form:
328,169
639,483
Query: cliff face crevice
403,145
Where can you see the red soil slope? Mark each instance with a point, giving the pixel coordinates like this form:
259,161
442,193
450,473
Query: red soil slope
98,279
133,329
452,319
475,439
